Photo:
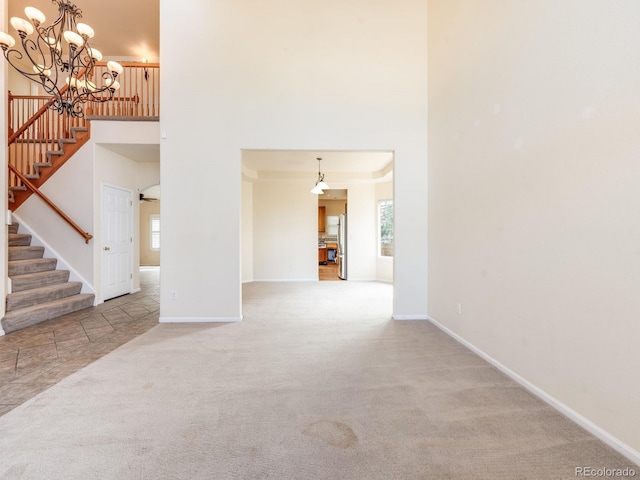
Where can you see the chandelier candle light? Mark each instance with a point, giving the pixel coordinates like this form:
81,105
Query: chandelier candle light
320,184
59,51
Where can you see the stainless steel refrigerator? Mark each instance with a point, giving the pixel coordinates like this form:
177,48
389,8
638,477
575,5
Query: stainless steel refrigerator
342,247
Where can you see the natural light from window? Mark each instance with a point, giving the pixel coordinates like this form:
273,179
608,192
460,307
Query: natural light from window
385,216
155,231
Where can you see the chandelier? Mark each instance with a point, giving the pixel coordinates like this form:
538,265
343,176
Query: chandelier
320,186
59,58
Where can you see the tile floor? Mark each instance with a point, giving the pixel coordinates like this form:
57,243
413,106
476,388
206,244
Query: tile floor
34,358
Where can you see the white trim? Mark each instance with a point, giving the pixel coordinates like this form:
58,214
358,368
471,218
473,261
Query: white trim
1,332
410,317
74,276
615,443
135,290
199,319
284,280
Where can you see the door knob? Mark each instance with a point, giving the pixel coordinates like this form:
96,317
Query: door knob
106,248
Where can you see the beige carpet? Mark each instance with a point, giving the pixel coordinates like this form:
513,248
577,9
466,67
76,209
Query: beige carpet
316,383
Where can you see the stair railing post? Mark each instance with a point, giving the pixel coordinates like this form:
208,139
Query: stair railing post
9,113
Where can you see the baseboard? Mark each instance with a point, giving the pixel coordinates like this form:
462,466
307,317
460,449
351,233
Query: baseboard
568,412
257,280
410,317
199,319
135,290
1,332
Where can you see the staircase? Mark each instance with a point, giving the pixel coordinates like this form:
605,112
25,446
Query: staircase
39,291
52,155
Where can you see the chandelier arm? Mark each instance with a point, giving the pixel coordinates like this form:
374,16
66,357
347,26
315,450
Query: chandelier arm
14,57
75,108
50,58
28,45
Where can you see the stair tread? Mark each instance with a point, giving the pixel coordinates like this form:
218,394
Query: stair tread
34,296
29,281
43,306
25,252
30,265
19,239
46,288
38,274
24,317
27,261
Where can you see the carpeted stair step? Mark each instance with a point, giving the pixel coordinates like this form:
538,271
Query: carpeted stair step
25,253
36,280
13,228
32,265
17,239
35,296
25,317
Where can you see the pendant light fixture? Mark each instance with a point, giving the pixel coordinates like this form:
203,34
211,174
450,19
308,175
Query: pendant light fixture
320,186
59,58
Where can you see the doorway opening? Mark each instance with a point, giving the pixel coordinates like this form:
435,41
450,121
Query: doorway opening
281,235
332,242
150,226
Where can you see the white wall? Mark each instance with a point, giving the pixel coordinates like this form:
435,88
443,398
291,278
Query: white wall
285,231
148,173
361,231
247,232
534,108
322,76
71,189
384,265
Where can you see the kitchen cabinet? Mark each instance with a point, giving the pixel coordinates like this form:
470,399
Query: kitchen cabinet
322,255
321,218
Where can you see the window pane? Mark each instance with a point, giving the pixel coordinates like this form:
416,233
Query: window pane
386,228
155,231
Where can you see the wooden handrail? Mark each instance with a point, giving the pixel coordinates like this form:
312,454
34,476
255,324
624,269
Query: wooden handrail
31,121
19,97
34,117
34,189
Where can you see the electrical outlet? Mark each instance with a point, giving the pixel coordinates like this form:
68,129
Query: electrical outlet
459,308
174,295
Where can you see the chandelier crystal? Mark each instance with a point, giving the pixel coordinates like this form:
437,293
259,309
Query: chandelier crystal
59,58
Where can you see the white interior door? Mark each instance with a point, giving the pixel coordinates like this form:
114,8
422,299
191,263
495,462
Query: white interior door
117,242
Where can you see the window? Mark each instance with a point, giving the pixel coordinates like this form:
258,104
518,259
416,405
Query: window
154,219
385,215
